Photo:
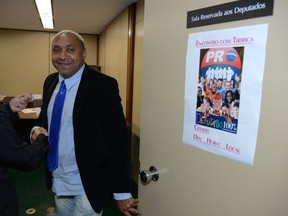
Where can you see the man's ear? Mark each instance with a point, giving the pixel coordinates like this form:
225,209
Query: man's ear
84,54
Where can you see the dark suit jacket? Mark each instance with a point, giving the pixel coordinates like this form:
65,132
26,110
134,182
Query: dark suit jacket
102,144
14,153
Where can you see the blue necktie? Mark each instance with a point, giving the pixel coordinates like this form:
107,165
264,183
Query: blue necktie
52,158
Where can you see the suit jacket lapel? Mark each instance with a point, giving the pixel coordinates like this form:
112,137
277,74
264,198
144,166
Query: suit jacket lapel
48,95
81,97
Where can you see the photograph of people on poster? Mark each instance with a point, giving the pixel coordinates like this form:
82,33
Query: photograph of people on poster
223,90
218,97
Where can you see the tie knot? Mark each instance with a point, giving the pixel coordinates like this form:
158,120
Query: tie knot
62,88
63,84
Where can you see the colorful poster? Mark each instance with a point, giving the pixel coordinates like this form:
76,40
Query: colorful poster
223,88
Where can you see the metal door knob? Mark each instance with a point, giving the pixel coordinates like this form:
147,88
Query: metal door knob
148,175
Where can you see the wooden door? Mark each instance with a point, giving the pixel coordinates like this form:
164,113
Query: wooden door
193,182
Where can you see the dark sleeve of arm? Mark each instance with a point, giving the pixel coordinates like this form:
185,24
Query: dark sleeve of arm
117,137
6,110
15,153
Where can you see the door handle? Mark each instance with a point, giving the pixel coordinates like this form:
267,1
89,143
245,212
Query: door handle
147,175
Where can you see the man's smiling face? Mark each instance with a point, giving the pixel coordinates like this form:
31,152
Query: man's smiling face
68,54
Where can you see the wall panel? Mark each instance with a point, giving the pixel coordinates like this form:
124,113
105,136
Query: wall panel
25,60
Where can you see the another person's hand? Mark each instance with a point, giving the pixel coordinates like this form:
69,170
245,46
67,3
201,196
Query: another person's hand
36,131
128,206
20,102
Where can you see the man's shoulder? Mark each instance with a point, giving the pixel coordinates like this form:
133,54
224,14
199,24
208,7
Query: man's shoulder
52,76
98,76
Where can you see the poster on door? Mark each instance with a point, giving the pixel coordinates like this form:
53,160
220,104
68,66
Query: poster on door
223,90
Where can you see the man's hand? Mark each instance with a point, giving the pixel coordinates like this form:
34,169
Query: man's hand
36,131
20,102
128,206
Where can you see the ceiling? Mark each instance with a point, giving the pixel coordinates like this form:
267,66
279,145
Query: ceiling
82,16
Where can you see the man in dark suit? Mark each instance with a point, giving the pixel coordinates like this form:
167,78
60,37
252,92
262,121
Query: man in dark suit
94,147
16,154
